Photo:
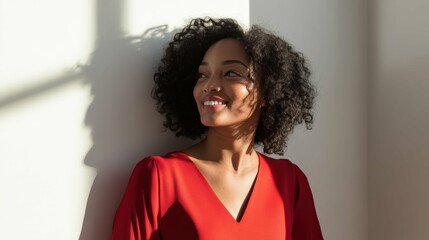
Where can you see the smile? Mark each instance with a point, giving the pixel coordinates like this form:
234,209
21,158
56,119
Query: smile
212,103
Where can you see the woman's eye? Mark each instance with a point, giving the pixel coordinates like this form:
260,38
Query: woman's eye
232,74
201,75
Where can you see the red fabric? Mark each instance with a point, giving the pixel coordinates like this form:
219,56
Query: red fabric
167,197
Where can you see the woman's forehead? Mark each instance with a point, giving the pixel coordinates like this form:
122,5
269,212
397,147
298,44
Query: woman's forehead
226,49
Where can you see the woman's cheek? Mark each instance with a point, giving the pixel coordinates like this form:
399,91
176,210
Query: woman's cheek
196,91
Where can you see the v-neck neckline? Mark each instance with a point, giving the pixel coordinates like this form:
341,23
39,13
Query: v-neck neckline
249,196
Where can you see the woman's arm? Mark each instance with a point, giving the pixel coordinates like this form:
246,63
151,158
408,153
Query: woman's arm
137,215
305,222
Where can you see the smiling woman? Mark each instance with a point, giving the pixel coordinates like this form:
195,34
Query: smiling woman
231,89
225,94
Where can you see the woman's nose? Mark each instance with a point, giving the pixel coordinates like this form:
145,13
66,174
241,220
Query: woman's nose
213,88
213,85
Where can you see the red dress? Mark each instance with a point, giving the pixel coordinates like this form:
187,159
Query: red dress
167,197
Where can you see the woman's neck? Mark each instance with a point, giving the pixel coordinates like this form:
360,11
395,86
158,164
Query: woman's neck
233,151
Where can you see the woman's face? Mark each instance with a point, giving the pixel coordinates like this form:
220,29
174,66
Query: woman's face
225,94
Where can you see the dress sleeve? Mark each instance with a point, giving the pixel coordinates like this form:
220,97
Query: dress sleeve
137,214
305,222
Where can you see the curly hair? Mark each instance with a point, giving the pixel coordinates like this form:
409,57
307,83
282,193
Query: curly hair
287,93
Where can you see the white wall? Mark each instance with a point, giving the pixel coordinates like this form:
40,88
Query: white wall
70,134
332,35
399,117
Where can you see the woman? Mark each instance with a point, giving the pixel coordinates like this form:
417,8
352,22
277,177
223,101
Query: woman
231,89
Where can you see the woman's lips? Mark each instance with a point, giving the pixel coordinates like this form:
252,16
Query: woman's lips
213,102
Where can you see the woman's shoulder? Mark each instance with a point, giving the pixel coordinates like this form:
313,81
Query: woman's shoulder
287,174
277,162
282,166
170,160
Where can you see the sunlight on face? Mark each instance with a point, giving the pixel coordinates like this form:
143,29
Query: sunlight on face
225,93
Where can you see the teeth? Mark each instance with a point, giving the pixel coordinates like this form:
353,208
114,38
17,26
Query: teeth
211,103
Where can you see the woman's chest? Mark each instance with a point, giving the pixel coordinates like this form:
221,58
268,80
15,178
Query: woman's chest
194,211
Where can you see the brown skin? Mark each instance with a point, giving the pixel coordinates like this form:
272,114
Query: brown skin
226,157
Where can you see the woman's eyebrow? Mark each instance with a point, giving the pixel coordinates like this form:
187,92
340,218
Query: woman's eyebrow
234,61
226,62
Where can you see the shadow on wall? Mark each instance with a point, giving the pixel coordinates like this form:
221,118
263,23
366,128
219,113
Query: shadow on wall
123,119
